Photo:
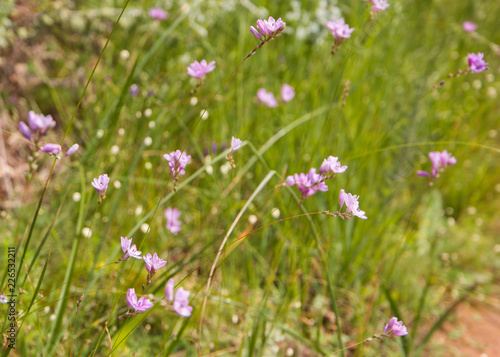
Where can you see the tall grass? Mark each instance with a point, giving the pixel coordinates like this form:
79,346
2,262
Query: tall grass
310,283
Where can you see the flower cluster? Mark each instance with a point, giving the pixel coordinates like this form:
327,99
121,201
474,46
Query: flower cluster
477,63
352,205
268,98
180,299
129,249
439,160
312,182
153,262
309,183
339,29
39,124
332,165
199,69
173,224
177,161
379,5
268,29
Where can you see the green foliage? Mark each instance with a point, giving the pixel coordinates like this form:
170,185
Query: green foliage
313,283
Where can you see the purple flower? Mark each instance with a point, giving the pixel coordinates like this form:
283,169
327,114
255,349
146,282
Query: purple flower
134,90
477,63
181,303
199,69
157,13
331,165
256,33
39,122
469,26
169,289
173,223
177,162
101,185
53,149
379,5
287,93
214,148
395,327
129,249
352,204
25,130
423,173
267,98
339,29
439,160
235,144
309,183
153,263
269,28
140,305
72,150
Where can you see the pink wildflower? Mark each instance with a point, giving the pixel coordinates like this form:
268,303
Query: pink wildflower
395,327
199,69
140,305
267,98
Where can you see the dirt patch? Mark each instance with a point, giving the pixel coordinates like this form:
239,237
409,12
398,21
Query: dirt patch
474,330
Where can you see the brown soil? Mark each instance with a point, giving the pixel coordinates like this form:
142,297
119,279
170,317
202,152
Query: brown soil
474,330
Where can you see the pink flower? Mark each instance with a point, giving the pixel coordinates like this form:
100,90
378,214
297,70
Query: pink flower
53,149
169,289
199,69
352,204
331,165
287,93
72,150
477,63
177,161
469,26
309,183
25,130
39,122
379,5
129,250
395,327
439,160
157,13
269,28
339,29
256,33
235,144
101,184
153,262
181,303
140,305
173,224
267,98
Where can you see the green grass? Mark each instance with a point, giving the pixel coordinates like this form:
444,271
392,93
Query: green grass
312,283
